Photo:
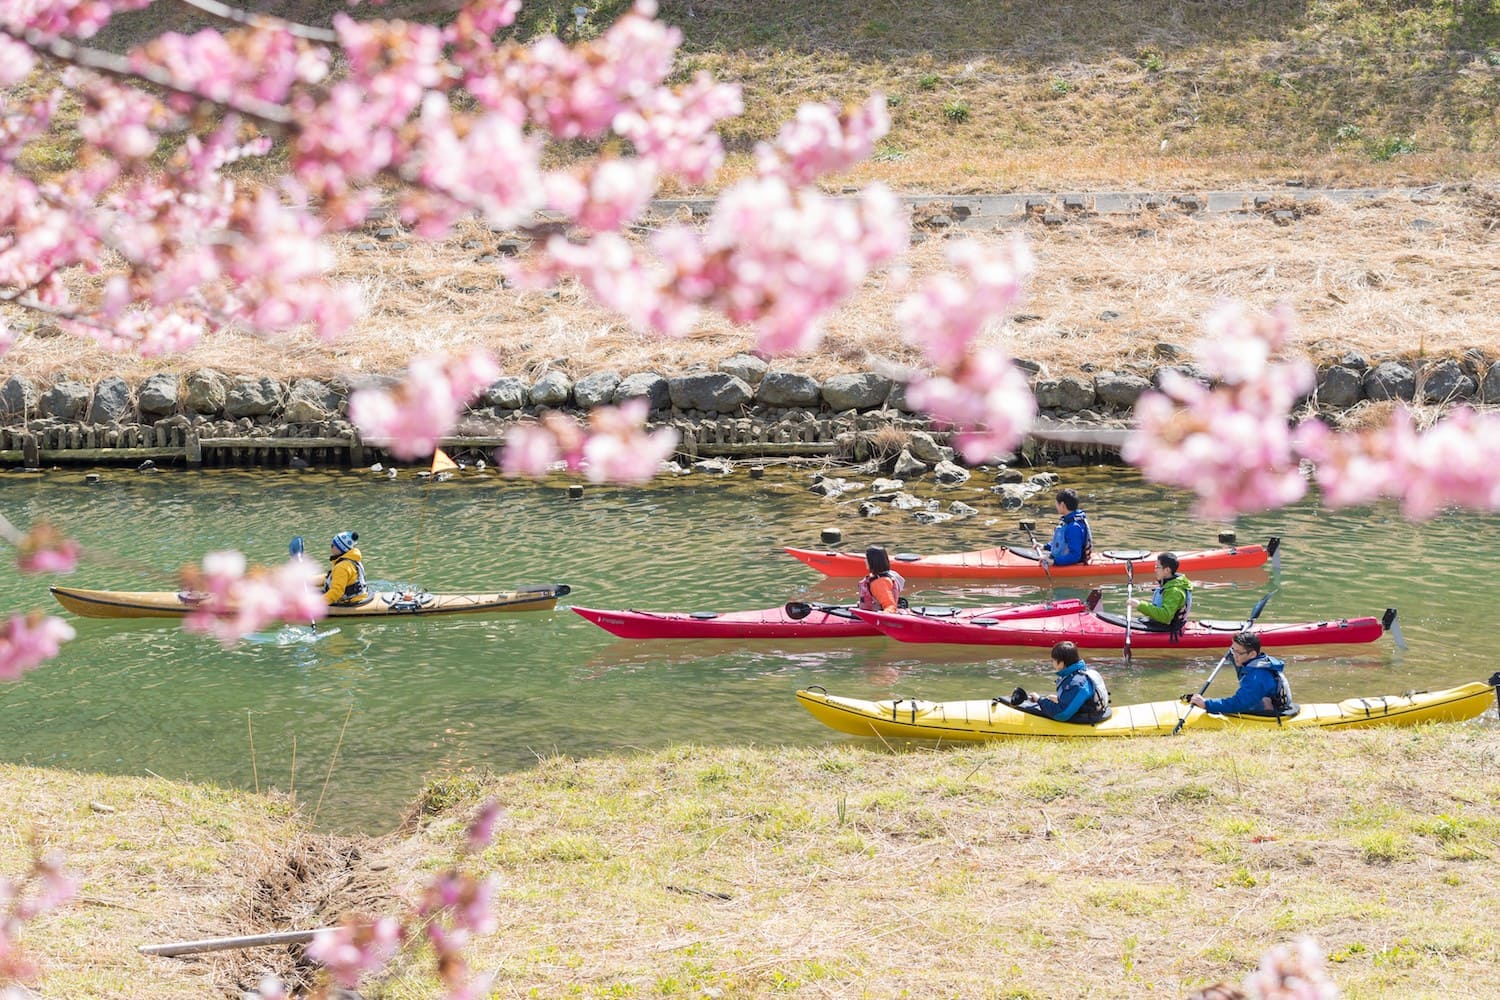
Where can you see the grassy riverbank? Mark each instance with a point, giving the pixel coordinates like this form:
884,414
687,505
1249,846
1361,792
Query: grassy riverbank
1018,869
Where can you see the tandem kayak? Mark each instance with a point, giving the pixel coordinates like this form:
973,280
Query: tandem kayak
791,621
1099,630
382,604
910,718
1003,563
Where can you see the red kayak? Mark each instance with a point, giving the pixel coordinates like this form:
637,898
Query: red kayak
794,620
1002,563
1097,630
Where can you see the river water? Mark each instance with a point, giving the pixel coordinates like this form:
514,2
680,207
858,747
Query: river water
354,722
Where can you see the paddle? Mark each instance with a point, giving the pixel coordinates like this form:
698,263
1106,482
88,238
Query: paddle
1260,606
1026,526
798,610
296,550
1129,611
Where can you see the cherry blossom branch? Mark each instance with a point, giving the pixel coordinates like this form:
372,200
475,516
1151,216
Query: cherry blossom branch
122,68
234,15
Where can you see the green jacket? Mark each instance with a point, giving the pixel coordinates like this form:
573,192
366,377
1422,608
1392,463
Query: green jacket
1169,598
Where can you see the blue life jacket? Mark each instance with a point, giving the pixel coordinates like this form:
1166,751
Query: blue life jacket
1072,541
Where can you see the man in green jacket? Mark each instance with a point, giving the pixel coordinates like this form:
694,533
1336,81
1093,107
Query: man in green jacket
1173,597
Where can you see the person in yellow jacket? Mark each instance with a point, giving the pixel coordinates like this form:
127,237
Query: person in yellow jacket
345,582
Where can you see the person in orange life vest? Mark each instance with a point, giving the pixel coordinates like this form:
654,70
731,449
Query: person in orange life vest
345,582
880,590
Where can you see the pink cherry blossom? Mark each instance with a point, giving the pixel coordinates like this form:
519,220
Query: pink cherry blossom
230,600
1238,345
603,198
270,988
529,450
411,420
28,640
1456,462
42,549
1231,444
16,61
620,450
354,949
617,447
951,309
1292,973
42,889
824,139
482,829
986,398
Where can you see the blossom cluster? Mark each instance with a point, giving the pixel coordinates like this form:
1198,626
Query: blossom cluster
230,600
977,389
44,888
411,419
452,909
615,447
1236,446
1292,973
29,640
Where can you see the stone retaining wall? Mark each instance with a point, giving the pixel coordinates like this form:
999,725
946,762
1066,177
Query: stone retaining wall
744,409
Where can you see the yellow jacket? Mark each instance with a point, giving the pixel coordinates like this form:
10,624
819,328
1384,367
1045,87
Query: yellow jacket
345,582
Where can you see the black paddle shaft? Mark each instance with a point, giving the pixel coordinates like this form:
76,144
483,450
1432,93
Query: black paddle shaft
1260,606
1026,526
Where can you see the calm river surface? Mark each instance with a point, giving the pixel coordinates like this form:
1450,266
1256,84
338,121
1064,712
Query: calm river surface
414,697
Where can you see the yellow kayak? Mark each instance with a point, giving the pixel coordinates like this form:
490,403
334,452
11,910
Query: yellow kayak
382,604
910,718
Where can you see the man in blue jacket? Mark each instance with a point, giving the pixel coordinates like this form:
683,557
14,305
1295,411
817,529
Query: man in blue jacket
1071,540
1081,694
1263,686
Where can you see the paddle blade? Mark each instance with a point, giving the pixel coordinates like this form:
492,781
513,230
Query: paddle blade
1393,626
797,610
1260,605
297,547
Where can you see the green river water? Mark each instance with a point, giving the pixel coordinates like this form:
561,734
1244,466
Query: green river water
390,703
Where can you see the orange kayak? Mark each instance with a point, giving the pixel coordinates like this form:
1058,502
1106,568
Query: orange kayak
1003,563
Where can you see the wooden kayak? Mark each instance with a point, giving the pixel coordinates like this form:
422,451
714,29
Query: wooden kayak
910,718
382,604
790,621
1003,563
1098,630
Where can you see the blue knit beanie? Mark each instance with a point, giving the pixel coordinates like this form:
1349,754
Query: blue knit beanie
344,540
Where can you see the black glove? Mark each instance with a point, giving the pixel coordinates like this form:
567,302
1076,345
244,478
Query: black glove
1019,697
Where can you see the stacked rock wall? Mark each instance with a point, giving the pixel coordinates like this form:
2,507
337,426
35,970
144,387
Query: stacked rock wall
744,409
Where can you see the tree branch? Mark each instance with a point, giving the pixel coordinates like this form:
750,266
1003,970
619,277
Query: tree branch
119,67
235,16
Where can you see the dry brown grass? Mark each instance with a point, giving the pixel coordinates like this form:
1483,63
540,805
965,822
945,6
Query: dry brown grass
1387,277
1129,94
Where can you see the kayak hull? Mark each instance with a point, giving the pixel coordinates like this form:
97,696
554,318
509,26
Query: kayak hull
1003,563
970,721
822,622
1092,631
384,604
